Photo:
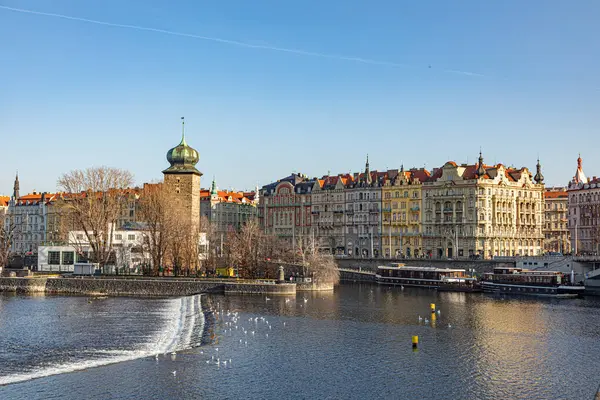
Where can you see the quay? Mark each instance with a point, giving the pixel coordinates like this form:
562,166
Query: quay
139,286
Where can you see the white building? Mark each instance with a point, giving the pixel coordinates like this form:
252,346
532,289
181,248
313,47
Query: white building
584,212
483,211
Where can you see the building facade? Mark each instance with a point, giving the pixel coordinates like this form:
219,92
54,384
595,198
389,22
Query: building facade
557,238
584,212
327,209
401,213
227,210
482,211
363,213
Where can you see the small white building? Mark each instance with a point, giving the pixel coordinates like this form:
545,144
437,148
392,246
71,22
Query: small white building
128,253
56,258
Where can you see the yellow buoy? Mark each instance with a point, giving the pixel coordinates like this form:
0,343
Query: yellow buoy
432,306
415,342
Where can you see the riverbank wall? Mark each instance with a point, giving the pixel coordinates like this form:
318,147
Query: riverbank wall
314,287
146,287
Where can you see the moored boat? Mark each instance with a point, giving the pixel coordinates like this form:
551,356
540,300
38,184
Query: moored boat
518,281
459,285
450,279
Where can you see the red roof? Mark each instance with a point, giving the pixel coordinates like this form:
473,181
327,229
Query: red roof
555,194
4,201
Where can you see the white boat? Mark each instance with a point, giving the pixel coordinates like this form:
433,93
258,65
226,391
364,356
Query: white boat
518,281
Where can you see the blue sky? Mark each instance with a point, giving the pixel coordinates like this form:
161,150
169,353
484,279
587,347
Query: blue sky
436,81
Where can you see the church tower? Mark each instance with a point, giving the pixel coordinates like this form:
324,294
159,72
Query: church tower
183,180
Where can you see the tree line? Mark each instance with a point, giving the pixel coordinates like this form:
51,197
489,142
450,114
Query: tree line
94,199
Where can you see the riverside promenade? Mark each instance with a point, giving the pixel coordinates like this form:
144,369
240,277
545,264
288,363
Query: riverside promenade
139,286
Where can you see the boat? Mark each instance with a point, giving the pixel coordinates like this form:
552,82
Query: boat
519,281
459,285
449,279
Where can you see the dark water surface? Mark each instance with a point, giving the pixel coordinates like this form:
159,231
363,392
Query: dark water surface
353,343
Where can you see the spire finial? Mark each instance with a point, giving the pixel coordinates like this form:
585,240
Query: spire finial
183,131
539,178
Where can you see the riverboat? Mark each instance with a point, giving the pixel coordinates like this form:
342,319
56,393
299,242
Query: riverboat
518,281
428,277
459,285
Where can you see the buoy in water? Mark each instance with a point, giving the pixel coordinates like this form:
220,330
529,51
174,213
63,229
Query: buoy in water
415,342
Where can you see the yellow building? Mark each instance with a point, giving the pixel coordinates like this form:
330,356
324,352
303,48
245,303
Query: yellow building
401,213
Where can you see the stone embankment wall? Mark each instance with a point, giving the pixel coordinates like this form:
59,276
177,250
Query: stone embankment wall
23,285
137,287
131,287
314,287
260,288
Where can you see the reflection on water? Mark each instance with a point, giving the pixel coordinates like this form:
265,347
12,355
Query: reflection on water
352,343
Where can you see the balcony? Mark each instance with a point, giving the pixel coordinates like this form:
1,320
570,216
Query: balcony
415,208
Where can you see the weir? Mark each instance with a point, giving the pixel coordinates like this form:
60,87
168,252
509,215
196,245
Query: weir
139,286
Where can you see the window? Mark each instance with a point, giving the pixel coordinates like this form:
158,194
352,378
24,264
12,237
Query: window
53,257
118,237
131,237
68,257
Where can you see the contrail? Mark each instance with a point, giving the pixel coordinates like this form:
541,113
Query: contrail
230,42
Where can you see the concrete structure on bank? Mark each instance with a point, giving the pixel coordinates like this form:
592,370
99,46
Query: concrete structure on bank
482,210
584,212
557,238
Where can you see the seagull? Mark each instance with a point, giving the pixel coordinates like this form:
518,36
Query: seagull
156,357
420,319
439,312
305,299
402,287
426,321
267,299
284,324
449,326
174,373
217,349
252,333
267,335
208,361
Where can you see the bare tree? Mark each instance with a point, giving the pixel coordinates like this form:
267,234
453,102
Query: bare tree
7,232
154,210
214,251
93,201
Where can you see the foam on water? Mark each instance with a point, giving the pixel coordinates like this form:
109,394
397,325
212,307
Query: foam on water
176,334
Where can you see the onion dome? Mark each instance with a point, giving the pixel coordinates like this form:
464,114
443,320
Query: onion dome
183,158
539,178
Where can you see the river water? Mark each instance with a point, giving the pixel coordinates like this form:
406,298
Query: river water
352,343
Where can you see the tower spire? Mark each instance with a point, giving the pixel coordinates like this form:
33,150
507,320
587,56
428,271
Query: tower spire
16,187
539,178
183,131
213,188
367,172
480,168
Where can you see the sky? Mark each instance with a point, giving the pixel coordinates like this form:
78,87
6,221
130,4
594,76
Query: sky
270,87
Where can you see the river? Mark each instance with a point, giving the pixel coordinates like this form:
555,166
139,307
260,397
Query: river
354,343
